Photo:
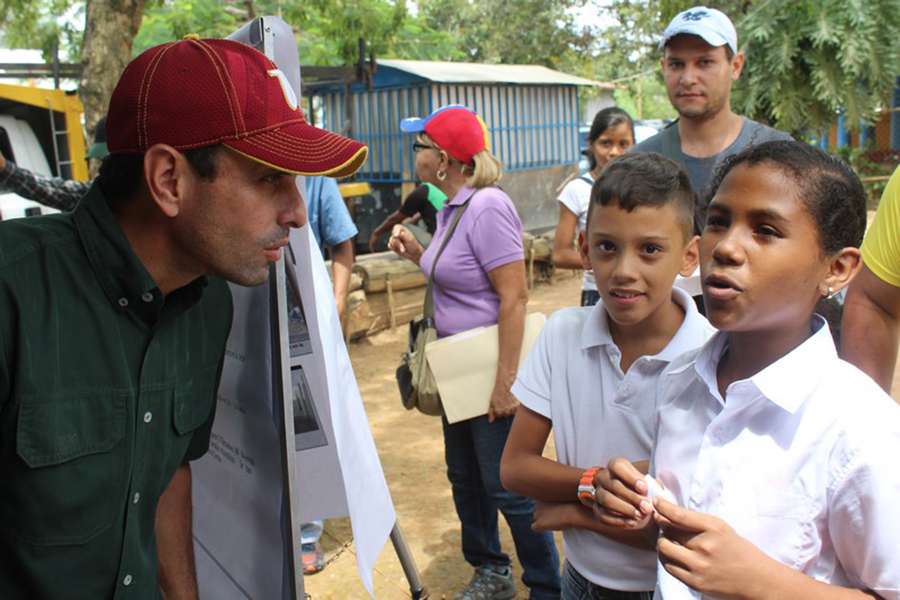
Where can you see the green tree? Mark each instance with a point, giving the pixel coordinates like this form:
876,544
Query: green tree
36,24
326,30
809,59
514,31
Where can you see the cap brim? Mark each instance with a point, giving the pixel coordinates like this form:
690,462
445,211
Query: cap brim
305,150
711,37
414,124
98,150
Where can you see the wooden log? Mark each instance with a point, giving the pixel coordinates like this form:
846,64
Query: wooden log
359,317
543,249
404,274
407,305
356,281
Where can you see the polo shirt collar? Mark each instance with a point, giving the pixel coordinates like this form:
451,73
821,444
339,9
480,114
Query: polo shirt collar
787,382
464,193
690,335
121,275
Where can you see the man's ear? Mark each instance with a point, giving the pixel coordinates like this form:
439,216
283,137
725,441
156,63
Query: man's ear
584,250
691,257
737,65
842,268
168,177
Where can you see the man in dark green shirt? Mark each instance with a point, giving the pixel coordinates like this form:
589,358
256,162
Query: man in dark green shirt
114,318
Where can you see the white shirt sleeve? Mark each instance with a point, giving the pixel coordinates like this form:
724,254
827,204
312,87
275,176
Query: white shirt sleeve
576,196
863,523
533,383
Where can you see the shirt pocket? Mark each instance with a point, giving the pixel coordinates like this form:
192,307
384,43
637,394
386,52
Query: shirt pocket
194,401
784,526
63,486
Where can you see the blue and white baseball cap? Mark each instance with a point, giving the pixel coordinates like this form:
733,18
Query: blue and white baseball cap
712,25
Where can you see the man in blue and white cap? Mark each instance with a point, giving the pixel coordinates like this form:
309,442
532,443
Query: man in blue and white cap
700,62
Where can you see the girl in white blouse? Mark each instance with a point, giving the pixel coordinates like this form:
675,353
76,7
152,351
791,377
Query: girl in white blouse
781,456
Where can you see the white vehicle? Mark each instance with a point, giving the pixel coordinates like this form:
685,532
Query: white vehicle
35,127
20,145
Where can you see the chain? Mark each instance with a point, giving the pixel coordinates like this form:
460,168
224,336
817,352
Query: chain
336,556
340,551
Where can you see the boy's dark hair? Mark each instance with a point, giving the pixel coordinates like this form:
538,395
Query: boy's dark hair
645,179
603,120
120,174
828,187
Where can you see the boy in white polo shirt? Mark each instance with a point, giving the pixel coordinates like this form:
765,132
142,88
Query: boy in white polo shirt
592,374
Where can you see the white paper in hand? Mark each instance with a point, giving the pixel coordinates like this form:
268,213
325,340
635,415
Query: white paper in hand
669,587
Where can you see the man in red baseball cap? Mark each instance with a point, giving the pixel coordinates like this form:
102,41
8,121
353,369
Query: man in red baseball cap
114,318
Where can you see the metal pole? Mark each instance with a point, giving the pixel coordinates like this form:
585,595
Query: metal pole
416,588
280,277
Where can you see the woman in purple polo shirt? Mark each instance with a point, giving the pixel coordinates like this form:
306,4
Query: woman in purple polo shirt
479,281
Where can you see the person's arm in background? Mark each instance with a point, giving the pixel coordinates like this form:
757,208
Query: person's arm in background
177,576
341,268
410,207
338,232
509,282
870,329
564,255
62,194
393,219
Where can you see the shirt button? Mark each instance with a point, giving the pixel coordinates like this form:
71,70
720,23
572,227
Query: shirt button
719,433
147,297
127,580
137,497
148,416
123,302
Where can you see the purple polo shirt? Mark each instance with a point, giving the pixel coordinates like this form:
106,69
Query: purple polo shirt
488,235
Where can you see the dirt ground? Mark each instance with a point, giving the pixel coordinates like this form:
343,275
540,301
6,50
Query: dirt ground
411,447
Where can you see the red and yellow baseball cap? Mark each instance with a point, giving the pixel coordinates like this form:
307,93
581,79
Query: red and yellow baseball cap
195,93
455,128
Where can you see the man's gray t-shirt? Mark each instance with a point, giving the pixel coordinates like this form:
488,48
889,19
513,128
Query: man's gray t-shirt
701,170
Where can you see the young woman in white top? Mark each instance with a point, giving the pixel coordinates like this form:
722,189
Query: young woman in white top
780,455
611,135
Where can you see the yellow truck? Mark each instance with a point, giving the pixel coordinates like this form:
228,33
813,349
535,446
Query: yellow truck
40,130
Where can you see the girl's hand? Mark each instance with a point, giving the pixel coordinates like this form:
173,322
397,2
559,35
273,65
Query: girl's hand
555,516
705,553
503,403
620,499
405,244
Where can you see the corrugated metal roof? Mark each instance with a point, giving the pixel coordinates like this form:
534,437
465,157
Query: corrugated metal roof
458,72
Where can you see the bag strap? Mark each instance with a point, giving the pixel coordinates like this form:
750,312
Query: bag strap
671,143
428,309
587,180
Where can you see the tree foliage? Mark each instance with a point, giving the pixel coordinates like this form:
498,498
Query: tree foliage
514,31
809,59
37,24
806,59
327,30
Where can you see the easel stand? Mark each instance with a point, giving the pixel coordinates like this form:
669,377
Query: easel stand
416,589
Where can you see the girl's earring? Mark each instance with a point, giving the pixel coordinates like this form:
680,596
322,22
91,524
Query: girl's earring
831,292
442,175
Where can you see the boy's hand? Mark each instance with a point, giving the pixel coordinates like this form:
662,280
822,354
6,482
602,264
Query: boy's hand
705,553
555,516
621,496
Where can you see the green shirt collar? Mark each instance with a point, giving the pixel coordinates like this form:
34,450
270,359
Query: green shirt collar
123,278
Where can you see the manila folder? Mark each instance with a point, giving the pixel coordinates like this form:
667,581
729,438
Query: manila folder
465,366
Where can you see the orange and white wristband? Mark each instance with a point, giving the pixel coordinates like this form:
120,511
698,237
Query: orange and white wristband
586,486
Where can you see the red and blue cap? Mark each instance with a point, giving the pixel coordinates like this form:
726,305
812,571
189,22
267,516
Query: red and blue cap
455,128
195,93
